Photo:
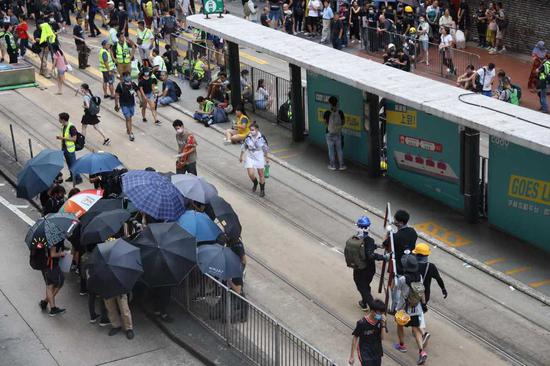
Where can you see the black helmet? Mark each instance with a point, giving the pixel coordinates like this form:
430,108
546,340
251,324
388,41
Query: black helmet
409,263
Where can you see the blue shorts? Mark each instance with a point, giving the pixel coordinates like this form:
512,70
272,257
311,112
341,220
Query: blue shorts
487,93
261,104
127,110
149,96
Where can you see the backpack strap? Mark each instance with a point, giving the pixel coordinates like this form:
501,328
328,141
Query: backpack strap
425,273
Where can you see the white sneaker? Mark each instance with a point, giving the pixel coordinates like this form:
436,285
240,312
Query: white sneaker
342,167
226,142
502,50
330,167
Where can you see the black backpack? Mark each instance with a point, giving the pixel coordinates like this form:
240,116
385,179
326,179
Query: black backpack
38,258
95,103
80,141
177,89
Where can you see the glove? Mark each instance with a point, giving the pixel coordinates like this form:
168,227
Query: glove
444,293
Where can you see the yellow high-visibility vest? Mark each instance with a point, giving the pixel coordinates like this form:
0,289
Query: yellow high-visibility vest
122,53
47,34
69,145
110,63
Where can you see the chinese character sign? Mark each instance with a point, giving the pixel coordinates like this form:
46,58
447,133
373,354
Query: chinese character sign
213,6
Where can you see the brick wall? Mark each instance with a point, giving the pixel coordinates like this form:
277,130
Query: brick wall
528,23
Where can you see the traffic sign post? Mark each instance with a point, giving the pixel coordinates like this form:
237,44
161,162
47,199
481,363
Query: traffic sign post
213,7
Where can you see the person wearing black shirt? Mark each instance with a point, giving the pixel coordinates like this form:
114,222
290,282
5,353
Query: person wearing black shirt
369,36
81,47
147,96
337,32
54,278
264,18
55,200
125,100
404,239
368,336
428,271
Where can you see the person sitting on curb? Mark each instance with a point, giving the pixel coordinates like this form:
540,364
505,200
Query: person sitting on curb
240,129
205,111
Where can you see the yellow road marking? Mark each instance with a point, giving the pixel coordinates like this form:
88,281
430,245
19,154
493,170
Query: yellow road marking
287,156
517,270
449,237
277,151
253,58
539,283
43,81
490,262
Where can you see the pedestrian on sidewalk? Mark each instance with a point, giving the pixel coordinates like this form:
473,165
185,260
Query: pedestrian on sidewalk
187,149
544,75
91,110
240,128
539,55
327,16
368,336
337,32
335,120
60,64
79,40
261,96
362,276
423,32
481,24
502,25
410,296
92,11
68,146
107,68
147,84
54,279
445,48
255,148
119,315
125,100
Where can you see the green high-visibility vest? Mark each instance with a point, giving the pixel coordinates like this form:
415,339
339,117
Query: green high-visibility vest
47,34
198,68
69,145
546,70
122,53
110,65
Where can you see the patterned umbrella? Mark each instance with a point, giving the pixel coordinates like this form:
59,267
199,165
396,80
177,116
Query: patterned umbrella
81,202
50,230
153,194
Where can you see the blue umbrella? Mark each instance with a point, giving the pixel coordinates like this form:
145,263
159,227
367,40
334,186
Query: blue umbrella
98,162
219,261
39,173
153,194
200,226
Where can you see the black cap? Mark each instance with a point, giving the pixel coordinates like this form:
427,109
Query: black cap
409,263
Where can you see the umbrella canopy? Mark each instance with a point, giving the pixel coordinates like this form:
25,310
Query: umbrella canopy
194,188
168,253
104,225
39,173
153,194
104,205
219,261
96,162
218,208
114,268
81,202
50,230
200,226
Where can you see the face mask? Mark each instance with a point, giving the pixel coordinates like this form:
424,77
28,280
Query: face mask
179,130
121,8
378,317
127,79
371,11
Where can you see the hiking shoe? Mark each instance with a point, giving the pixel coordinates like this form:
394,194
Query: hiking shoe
104,323
400,347
56,311
107,142
130,334
422,357
331,167
114,331
43,305
94,319
362,306
131,137
343,167
425,338
166,318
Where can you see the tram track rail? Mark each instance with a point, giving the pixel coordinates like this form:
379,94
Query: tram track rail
281,212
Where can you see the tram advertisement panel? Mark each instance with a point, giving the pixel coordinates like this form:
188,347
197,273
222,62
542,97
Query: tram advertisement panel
423,153
319,89
519,191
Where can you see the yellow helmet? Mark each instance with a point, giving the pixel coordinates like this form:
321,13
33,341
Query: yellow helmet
408,9
402,318
422,249
412,30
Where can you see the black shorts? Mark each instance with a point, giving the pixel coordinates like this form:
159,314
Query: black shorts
377,362
414,322
108,77
54,277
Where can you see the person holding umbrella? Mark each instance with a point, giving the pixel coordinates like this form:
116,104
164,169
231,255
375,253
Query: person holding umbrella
54,279
55,201
40,174
255,148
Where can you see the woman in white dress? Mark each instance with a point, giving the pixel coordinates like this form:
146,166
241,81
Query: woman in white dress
255,148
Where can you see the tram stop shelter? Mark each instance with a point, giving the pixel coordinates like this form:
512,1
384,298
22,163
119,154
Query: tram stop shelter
432,128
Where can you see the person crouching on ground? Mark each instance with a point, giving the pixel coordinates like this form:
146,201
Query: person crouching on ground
255,147
240,129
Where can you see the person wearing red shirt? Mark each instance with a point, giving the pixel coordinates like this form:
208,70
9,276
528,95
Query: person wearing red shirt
21,31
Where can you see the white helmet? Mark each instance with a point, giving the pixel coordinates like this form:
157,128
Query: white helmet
391,45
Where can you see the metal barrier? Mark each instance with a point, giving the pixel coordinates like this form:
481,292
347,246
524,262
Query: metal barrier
454,64
243,325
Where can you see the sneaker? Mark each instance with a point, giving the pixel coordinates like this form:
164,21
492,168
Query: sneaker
492,51
226,142
94,319
129,334
106,96
107,142
422,357
502,50
43,305
82,293
158,123
400,347
362,306
331,167
55,311
104,323
342,167
114,331
425,338
131,136
144,120
166,318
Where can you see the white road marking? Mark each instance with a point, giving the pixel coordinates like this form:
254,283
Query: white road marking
17,211
21,206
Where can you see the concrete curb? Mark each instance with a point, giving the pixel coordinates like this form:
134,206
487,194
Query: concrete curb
518,285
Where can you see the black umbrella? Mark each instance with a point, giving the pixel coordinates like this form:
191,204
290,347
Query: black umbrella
218,208
50,230
104,225
114,268
168,253
219,261
105,205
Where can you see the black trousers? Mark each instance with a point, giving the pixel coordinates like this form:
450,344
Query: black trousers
160,298
362,279
188,168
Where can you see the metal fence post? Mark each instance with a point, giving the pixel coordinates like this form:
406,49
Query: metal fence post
13,142
227,315
277,345
276,96
187,293
30,148
252,89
